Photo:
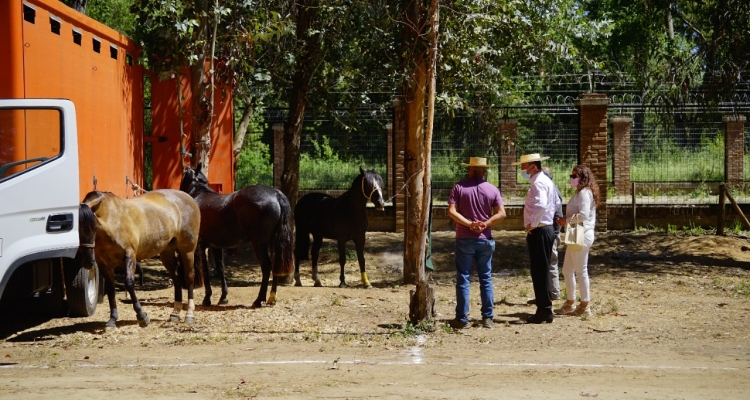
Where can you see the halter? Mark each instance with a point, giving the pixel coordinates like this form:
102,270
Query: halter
375,188
88,245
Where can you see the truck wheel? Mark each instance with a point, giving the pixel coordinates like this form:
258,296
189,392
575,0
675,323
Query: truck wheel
82,291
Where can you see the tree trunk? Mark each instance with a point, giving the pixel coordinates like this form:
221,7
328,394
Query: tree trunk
414,94
307,63
423,298
79,5
202,111
241,132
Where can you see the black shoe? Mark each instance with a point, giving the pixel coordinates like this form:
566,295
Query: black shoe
488,323
456,324
531,302
538,319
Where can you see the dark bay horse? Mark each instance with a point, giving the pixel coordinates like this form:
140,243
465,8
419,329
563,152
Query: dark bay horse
118,232
341,218
256,214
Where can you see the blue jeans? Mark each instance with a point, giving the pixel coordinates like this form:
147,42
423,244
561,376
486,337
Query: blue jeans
479,250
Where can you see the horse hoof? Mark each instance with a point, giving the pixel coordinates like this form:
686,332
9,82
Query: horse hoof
206,302
224,301
189,320
297,283
368,286
110,325
318,284
256,304
143,322
343,284
174,318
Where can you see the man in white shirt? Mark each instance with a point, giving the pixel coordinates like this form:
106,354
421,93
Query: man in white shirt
538,220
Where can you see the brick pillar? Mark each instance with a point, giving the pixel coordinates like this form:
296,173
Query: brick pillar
278,154
621,169
390,160
508,173
734,148
592,142
399,172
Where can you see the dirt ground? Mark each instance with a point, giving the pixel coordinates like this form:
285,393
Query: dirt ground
671,321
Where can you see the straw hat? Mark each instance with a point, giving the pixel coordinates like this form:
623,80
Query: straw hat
529,158
477,162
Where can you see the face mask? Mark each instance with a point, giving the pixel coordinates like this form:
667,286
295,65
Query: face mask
574,183
525,174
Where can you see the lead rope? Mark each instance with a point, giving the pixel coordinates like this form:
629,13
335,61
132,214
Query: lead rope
137,190
402,186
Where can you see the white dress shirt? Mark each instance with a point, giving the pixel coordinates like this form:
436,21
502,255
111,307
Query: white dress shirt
541,202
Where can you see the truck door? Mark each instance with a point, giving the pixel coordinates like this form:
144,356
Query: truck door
38,183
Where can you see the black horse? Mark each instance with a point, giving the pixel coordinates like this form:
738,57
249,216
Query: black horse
341,218
256,214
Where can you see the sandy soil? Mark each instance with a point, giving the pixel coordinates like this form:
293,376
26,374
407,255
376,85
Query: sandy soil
671,322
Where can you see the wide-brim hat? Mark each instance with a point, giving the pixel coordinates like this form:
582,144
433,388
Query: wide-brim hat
528,158
477,162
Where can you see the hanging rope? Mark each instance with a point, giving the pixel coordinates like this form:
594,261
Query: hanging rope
137,190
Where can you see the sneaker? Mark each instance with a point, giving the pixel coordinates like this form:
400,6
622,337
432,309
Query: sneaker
580,312
488,323
456,324
566,308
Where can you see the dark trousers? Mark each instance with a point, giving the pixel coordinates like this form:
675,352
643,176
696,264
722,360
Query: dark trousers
540,242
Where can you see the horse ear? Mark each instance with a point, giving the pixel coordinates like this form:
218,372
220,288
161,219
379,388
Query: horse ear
361,171
198,168
93,200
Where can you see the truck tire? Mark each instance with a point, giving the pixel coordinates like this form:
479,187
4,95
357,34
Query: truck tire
82,290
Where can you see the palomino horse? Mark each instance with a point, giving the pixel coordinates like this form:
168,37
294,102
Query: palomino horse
256,214
117,232
341,218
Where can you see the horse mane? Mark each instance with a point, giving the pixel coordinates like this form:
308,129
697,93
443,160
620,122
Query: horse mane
86,223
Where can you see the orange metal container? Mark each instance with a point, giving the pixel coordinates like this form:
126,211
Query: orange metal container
48,50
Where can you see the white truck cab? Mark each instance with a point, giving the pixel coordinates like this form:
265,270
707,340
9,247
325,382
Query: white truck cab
39,190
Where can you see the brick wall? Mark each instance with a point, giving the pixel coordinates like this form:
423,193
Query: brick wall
734,146
621,168
507,172
592,150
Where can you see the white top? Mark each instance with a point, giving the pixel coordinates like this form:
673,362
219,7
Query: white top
583,205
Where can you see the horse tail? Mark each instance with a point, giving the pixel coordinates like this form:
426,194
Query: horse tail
197,267
282,242
302,233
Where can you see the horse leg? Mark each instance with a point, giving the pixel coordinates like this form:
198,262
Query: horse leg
219,263
143,319
297,280
316,245
109,288
272,297
359,244
261,252
342,262
206,276
187,258
170,263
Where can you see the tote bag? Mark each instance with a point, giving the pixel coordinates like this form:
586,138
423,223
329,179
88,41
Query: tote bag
574,233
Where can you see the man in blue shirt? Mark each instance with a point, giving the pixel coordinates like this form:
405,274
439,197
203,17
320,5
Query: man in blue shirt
475,205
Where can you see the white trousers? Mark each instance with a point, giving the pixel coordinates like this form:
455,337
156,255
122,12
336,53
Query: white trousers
575,268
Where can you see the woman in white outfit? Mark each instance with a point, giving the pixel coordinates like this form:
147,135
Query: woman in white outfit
575,265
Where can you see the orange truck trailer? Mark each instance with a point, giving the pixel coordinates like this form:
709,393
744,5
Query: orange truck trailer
71,121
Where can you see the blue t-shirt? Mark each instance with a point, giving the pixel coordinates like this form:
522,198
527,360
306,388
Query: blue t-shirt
475,199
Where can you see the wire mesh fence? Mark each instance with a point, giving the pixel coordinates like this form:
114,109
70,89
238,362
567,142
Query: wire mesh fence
676,157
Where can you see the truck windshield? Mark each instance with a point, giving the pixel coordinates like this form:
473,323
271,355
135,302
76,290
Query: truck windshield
28,138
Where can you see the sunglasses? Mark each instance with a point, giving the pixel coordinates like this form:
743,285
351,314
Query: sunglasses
573,176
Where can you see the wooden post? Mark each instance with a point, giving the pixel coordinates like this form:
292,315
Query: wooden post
722,203
737,209
632,191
